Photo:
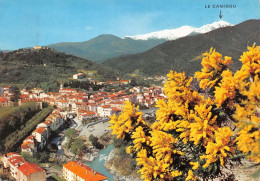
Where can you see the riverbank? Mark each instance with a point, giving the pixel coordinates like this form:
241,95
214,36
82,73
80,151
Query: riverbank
98,163
89,156
123,167
92,156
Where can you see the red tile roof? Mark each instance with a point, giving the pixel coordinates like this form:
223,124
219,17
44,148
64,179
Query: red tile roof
88,113
72,90
24,96
115,109
30,168
2,100
116,102
11,154
40,130
31,137
63,101
84,171
16,160
92,104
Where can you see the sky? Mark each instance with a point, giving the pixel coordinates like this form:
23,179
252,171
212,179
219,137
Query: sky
27,23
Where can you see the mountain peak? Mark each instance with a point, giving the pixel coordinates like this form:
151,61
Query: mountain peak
213,26
183,31
107,36
182,54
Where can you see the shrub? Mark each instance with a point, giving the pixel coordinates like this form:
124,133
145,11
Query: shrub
195,135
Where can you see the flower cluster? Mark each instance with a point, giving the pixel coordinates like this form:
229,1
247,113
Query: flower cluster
248,116
213,65
125,123
192,137
226,89
221,148
204,125
250,63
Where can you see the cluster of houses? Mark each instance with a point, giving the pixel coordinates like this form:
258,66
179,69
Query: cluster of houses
147,96
95,104
22,170
102,103
39,137
6,94
85,106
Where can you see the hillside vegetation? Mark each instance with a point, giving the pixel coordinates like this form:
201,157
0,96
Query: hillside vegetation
14,118
19,134
183,54
45,67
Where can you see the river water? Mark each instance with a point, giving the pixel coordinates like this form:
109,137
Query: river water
98,163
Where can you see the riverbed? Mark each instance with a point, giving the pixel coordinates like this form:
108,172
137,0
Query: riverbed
98,163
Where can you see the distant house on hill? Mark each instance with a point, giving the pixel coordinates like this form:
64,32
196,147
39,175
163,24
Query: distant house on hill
77,171
79,76
4,102
37,47
8,90
40,47
124,81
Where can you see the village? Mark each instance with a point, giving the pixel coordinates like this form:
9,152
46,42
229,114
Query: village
88,113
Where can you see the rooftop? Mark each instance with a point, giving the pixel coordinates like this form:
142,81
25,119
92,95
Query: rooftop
30,168
40,130
84,171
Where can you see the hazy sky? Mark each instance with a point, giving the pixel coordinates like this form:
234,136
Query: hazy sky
25,23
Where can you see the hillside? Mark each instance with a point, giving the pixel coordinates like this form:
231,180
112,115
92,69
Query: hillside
184,54
105,46
44,67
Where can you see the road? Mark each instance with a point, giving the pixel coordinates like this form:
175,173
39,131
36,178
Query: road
97,129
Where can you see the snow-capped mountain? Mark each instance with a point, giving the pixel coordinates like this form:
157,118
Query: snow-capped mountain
183,31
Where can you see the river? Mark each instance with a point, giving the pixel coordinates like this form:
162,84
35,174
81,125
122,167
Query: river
98,163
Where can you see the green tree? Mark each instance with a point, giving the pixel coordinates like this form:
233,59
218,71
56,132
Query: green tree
94,142
70,133
42,157
29,157
77,146
16,94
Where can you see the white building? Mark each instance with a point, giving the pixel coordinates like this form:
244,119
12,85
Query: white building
78,76
41,136
104,111
77,171
22,170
